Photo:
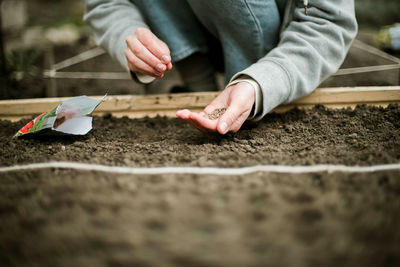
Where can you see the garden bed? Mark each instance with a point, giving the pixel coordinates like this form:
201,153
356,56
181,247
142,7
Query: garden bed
70,217
360,136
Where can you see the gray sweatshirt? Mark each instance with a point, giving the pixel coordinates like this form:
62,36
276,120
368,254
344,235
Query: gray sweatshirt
314,40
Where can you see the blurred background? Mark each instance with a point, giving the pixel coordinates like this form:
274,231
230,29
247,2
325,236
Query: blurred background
38,34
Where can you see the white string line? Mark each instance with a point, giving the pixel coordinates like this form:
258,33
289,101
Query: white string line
201,170
89,54
87,75
349,71
125,76
97,51
375,51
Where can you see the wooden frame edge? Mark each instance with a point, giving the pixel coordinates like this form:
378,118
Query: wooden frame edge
136,106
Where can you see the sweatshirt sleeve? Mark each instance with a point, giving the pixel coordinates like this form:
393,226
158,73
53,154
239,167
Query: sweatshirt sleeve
311,48
112,22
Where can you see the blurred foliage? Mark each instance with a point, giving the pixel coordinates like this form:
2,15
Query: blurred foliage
23,75
56,13
377,13
57,22
25,61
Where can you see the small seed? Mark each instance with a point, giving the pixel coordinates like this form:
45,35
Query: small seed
218,112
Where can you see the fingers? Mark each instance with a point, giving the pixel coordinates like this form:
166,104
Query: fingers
147,54
228,119
234,116
140,51
238,101
203,122
184,114
232,123
138,66
154,45
169,66
197,120
241,100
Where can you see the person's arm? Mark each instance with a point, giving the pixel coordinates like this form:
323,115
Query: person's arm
311,48
120,29
111,23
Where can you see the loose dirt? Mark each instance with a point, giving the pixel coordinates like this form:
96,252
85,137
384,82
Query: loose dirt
363,136
79,218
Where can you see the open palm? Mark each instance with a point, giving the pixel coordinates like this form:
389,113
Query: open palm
238,99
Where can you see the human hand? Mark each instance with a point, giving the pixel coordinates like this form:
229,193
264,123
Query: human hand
146,54
238,99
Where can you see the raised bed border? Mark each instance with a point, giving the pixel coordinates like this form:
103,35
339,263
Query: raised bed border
137,106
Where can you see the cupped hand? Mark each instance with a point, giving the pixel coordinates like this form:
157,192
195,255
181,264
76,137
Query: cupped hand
146,54
238,99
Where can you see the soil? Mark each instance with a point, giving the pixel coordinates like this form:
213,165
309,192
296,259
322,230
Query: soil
79,218
363,136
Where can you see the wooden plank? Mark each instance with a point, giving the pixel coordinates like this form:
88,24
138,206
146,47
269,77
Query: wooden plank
350,95
135,106
127,103
171,113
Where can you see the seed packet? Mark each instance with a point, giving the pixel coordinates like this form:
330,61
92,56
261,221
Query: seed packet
70,118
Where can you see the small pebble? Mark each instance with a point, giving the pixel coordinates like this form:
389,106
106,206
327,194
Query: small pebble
353,135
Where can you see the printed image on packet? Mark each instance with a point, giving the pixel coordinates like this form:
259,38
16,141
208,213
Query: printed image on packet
69,117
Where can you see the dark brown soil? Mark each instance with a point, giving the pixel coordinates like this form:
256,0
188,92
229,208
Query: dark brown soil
364,136
68,218
76,218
